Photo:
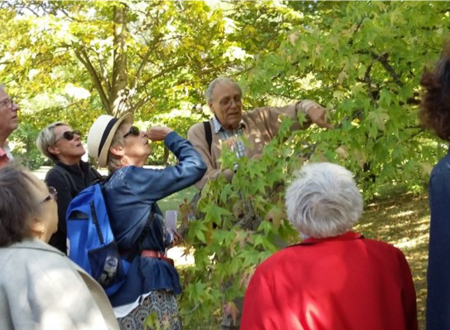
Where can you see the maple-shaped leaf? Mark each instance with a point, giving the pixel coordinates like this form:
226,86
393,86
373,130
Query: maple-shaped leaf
378,118
276,214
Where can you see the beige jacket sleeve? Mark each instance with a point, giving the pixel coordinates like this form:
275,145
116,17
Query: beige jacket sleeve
267,118
197,136
263,119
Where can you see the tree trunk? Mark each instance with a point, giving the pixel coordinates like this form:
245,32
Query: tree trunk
119,94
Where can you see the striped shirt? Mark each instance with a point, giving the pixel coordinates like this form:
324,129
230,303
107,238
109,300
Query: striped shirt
228,135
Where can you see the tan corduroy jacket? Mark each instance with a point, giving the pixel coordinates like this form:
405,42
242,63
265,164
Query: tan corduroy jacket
260,126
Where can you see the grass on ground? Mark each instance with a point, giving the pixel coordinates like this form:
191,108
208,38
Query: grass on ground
404,221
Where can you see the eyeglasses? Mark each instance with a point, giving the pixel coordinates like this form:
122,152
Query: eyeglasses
133,131
53,195
9,103
227,101
68,135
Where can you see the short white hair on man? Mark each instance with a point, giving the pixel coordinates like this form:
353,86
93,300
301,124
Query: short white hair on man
323,201
220,81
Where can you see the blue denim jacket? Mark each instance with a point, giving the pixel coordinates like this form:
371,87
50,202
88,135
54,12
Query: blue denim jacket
130,194
438,276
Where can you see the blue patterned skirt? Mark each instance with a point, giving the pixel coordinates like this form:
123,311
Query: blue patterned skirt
160,306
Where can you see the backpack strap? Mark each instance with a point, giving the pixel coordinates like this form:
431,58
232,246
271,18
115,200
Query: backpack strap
208,134
67,177
141,238
146,229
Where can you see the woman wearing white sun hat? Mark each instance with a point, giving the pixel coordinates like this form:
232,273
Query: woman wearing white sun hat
131,194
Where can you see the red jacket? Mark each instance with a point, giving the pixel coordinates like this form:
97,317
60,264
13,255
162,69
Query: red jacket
339,283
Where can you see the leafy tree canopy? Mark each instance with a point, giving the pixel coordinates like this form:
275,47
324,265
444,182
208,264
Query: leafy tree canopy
72,61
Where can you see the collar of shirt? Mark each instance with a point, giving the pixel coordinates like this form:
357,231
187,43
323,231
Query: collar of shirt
218,127
5,156
5,151
350,235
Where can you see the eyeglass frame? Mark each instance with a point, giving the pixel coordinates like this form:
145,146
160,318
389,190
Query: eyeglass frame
70,137
9,101
53,193
135,131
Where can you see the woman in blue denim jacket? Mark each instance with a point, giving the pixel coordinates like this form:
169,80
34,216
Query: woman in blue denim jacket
131,194
435,115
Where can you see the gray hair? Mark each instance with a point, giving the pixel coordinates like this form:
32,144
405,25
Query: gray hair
323,201
113,162
219,81
47,139
17,204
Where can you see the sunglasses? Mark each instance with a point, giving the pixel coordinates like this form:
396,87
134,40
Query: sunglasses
133,131
68,135
53,194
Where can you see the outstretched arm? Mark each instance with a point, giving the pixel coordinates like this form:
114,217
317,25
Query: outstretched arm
269,116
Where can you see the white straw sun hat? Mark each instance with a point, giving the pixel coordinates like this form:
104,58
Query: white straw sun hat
101,135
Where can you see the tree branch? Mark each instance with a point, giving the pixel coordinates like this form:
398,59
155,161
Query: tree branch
383,59
145,60
162,73
84,59
118,96
140,103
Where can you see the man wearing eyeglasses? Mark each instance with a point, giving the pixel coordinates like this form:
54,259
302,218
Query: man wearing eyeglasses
70,175
230,126
8,123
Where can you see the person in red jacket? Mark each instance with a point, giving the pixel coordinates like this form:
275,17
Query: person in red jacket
335,279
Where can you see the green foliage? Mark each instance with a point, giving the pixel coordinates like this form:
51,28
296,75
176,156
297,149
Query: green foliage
23,141
75,60
363,61
166,46
72,61
242,225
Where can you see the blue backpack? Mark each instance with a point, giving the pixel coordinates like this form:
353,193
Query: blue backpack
91,242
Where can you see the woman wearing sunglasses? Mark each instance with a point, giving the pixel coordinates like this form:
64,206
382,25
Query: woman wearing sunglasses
40,288
131,194
70,175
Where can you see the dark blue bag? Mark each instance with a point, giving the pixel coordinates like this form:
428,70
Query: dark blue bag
90,240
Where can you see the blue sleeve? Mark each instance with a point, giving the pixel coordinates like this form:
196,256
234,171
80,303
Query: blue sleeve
438,277
152,185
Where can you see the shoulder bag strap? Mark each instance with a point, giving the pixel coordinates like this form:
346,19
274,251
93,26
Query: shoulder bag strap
140,240
208,134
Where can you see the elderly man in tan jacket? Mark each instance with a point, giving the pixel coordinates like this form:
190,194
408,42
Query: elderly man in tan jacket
229,124
259,126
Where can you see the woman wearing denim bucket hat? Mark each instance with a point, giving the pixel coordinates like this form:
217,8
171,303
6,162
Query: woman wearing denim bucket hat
131,194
